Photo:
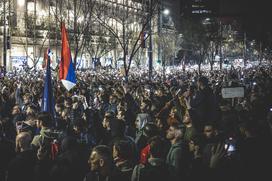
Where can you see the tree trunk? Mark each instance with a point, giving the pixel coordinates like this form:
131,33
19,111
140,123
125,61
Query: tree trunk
125,63
183,62
261,53
211,64
75,34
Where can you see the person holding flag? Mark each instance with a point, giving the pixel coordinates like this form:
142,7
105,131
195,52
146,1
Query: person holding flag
46,57
66,68
48,103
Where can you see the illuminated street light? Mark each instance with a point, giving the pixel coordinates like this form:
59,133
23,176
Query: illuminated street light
166,12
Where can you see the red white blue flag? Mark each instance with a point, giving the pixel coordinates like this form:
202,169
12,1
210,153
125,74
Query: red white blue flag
66,69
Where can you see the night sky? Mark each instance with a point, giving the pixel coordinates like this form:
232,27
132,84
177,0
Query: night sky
255,16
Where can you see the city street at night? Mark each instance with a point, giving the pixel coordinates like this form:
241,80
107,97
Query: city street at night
135,90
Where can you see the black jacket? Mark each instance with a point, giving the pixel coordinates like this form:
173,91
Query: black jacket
155,169
22,167
116,175
204,107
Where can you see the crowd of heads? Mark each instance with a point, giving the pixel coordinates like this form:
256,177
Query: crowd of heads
176,125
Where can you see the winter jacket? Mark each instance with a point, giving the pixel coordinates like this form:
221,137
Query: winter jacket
115,175
155,169
45,134
22,167
178,160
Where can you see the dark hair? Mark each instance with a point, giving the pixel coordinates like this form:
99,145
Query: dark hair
103,151
157,148
117,128
177,126
192,88
203,80
45,118
69,143
124,149
172,121
69,100
79,123
150,130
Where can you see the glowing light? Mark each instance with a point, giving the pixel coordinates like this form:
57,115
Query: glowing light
21,2
31,6
166,12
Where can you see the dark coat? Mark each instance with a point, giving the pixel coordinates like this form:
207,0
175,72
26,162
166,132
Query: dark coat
70,166
22,167
155,169
178,160
7,153
42,170
125,167
204,107
116,175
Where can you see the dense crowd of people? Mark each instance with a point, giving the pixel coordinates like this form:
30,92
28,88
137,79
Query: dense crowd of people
175,127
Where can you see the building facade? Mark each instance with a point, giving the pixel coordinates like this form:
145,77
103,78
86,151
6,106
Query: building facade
98,29
200,8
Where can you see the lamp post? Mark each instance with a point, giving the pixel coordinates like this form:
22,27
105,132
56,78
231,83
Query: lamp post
220,50
245,48
161,13
25,3
166,14
159,30
4,39
150,48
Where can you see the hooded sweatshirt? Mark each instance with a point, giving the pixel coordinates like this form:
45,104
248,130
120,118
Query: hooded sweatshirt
45,133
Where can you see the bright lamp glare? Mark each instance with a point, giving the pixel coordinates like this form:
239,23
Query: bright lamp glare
166,12
21,2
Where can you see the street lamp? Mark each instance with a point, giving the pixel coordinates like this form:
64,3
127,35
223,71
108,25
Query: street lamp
166,12
163,12
4,38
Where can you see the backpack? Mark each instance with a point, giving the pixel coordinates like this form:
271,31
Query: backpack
52,145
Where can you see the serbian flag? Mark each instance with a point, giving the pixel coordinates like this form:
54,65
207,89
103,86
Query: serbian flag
48,103
66,68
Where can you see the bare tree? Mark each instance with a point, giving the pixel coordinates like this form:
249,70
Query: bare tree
170,43
34,34
126,21
35,38
77,15
39,53
99,43
211,53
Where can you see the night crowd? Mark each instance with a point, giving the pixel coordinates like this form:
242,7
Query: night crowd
177,127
